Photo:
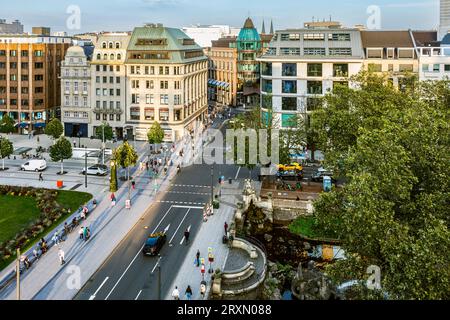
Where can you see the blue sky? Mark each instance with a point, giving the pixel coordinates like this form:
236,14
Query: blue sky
99,15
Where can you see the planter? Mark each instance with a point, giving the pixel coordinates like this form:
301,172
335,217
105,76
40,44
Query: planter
217,287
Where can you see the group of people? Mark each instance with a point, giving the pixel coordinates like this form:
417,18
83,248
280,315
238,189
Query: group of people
188,292
85,233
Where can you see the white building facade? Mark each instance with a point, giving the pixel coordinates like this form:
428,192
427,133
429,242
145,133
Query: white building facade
302,65
76,93
205,35
109,90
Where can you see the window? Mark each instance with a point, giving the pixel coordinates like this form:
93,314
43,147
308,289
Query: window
97,79
314,69
13,53
13,89
99,57
290,37
97,116
117,104
436,67
152,70
288,120
340,51
425,67
390,67
24,90
135,98
98,92
104,45
75,85
161,70
149,99
314,36
167,69
118,92
13,102
111,80
117,117
266,68
2,53
164,99
271,51
177,99
75,101
340,70
405,53
38,65
267,85
340,83
267,101
164,114
164,85
117,80
150,84
85,102
24,53
111,117
105,92
374,53
97,104
288,52
111,92
339,36
13,77
289,70
117,68
85,115
97,68
447,68
105,68
289,103
149,114
24,65
117,45
111,56
135,114
314,51
135,84
177,115
314,87
105,117
177,85
289,86
390,53
13,65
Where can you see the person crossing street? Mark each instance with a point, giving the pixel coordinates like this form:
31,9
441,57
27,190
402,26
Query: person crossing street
61,256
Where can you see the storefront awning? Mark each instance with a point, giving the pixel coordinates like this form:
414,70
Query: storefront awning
40,125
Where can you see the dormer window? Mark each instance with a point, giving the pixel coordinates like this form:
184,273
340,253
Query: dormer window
110,45
104,45
117,45
151,42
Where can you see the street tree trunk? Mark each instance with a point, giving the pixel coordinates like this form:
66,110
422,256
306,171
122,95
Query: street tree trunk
3,164
62,167
129,183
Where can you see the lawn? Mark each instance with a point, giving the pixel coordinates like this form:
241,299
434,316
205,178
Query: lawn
17,213
305,226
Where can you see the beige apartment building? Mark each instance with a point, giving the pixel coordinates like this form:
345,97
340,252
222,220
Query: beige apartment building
167,74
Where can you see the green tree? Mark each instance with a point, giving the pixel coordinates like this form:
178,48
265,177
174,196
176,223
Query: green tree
108,131
113,185
126,157
156,134
61,151
6,149
6,124
54,129
392,147
292,138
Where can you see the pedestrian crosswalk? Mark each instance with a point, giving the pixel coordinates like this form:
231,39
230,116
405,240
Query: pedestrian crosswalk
192,193
182,203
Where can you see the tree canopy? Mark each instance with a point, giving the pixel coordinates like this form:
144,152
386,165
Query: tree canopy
61,151
155,134
392,147
6,124
54,128
6,149
108,131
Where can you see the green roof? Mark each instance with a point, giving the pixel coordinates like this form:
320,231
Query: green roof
173,39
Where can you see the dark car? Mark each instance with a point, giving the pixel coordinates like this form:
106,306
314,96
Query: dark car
318,175
153,244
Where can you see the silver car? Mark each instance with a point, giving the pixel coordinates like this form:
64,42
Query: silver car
96,170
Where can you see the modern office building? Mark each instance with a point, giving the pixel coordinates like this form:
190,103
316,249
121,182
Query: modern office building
302,65
14,27
108,83
167,74
30,87
76,92
444,22
204,35
434,56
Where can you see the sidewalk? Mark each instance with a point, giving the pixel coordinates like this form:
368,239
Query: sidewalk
47,279
209,235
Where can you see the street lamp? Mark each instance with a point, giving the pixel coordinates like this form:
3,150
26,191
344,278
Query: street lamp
103,144
85,167
212,184
79,139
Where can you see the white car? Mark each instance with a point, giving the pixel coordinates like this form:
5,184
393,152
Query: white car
97,170
34,165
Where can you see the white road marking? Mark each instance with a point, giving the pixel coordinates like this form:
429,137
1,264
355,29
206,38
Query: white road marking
137,254
95,293
137,297
237,173
179,225
157,262
182,240
188,207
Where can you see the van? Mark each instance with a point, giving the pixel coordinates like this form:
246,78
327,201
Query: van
34,165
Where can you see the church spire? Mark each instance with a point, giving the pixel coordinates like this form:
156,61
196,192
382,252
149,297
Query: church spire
263,31
271,26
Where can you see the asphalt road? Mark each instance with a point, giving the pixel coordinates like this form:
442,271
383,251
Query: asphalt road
127,274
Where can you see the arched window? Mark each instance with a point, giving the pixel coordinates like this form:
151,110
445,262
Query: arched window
119,56
105,57
110,45
111,57
117,45
99,56
104,45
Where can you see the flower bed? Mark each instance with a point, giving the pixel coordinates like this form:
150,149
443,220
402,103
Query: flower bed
50,212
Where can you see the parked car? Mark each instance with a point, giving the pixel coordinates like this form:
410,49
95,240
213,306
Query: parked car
34,165
97,170
318,175
154,243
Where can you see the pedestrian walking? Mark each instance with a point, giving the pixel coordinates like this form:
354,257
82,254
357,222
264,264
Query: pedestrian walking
225,226
203,289
36,252
40,177
133,185
38,139
66,229
186,236
81,233
85,233
56,238
61,256
197,258
176,294
188,292
83,214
